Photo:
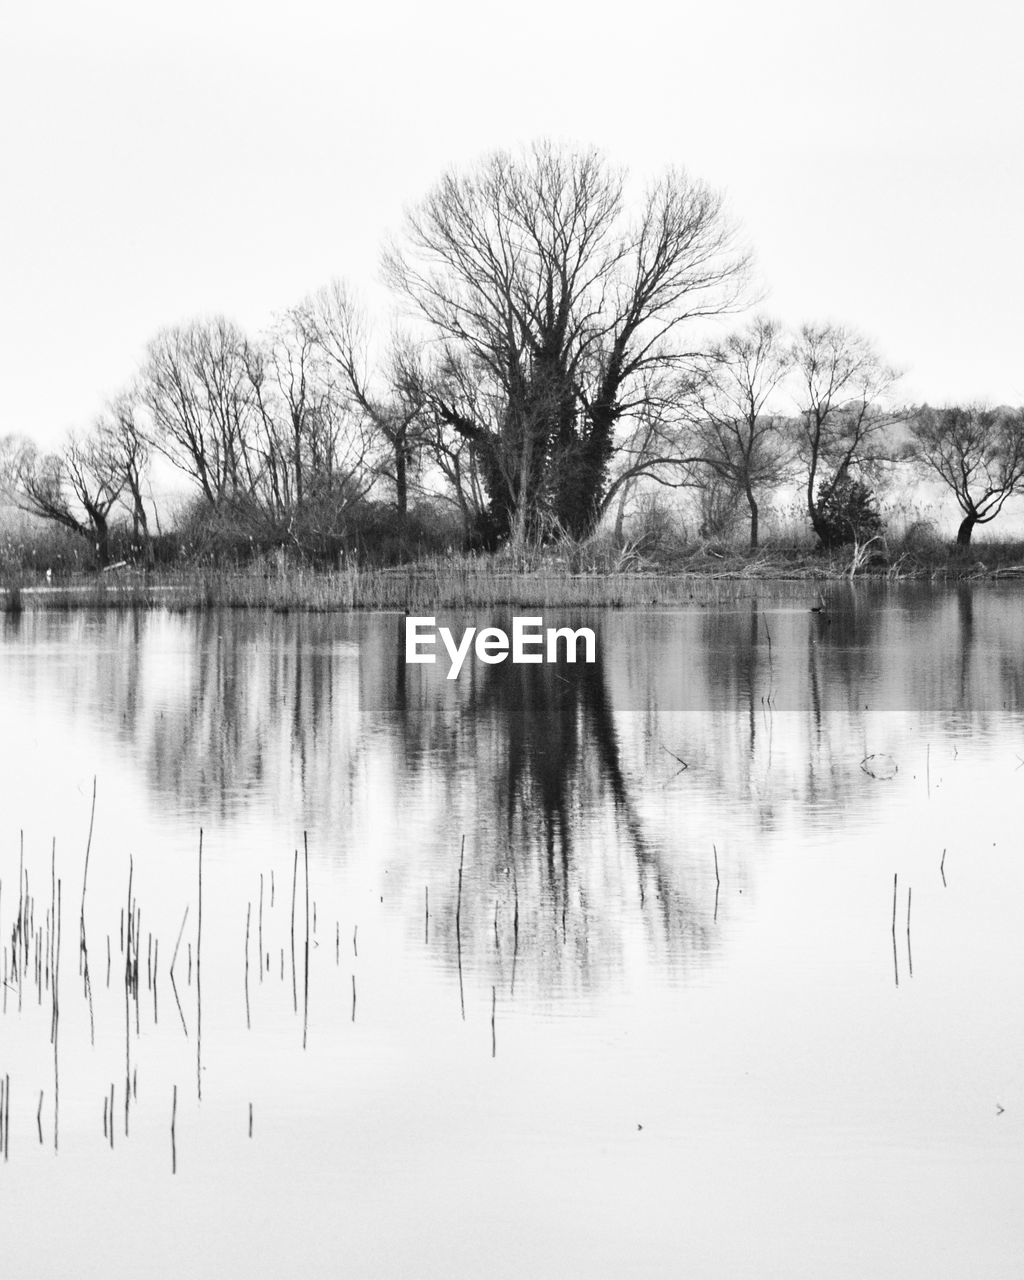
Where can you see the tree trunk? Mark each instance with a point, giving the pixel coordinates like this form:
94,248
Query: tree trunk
140,527
620,513
963,535
297,461
820,529
401,481
583,488
142,537
812,506
102,541
754,517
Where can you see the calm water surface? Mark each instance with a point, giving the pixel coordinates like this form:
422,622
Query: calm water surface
675,1021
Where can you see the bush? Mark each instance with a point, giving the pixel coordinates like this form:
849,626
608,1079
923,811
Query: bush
378,538
325,531
721,509
923,538
847,512
654,530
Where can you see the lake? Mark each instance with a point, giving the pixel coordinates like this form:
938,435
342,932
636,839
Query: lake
703,959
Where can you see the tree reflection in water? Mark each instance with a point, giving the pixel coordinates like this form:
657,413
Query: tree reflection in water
579,840
559,826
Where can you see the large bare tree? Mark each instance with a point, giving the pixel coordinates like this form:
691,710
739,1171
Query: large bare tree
196,387
123,443
387,398
312,446
76,487
738,433
551,300
977,453
842,389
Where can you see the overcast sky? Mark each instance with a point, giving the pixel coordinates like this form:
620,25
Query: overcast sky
163,162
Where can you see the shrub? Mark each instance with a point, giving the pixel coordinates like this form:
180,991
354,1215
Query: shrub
922,537
847,512
721,509
654,529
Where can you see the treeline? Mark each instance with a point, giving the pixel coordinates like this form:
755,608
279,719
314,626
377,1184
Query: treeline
554,365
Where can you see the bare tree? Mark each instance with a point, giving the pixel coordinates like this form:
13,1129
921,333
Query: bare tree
126,449
553,305
76,488
195,384
437,384
977,453
737,435
391,404
842,386
286,398
654,442
652,450
311,451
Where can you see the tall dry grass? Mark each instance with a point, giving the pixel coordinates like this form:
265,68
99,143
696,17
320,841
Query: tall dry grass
420,589
708,574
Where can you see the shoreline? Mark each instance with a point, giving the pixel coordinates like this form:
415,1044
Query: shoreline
462,584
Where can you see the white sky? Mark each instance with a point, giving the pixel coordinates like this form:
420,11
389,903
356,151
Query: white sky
160,163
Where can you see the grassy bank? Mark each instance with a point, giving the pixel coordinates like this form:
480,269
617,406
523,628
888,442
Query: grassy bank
705,577
414,590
